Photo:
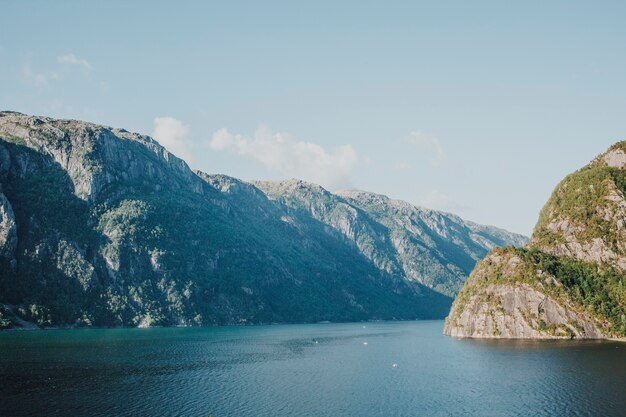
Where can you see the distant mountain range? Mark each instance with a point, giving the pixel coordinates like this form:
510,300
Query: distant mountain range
103,227
436,249
570,280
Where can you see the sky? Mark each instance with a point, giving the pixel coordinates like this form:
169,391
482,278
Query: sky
475,108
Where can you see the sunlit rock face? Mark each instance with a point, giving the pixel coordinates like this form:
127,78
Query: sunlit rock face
570,280
432,248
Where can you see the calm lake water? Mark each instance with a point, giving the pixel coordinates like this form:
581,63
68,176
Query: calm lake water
305,370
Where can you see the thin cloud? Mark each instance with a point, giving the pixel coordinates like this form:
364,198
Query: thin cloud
37,79
71,59
290,157
172,134
430,143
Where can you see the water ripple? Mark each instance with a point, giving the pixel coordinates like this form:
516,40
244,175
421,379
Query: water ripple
308,370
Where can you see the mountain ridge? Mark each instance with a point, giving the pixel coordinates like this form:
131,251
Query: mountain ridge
103,227
411,237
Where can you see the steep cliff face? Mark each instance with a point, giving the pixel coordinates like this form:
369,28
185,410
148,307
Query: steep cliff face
8,230
432,248
94,157
586,215
570,281
509,296
435,248
102,227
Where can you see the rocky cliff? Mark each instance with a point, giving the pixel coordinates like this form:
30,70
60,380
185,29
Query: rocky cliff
103,227
436,249
570,280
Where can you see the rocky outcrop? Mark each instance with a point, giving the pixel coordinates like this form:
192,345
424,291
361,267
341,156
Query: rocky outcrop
523,313
512,307
614,158
586,216
95,156
8,228
570,280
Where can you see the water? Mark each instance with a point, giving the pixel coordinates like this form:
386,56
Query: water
282,371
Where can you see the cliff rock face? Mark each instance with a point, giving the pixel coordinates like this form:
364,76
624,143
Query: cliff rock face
504,299
586,215
8,233
570,280
103,227
433,248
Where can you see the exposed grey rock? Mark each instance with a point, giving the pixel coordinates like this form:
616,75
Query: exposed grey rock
615,158
498,303
430,247
8,228
94,156
569,280
521,312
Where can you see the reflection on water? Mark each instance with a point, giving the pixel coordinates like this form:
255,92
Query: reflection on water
382,369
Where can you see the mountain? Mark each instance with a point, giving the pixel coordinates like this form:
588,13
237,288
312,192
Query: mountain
436,249
570,280
103,227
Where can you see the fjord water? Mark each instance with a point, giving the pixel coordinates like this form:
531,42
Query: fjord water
305,370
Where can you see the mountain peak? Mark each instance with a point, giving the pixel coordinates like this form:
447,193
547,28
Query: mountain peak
614,157
584,217
568,281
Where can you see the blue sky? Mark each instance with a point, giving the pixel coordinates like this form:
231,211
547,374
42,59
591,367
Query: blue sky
477,108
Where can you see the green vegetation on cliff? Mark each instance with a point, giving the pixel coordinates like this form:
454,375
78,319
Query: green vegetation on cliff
578,198
576,258
600,291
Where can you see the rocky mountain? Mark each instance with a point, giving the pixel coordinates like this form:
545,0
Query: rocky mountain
436,249
570,280
103,227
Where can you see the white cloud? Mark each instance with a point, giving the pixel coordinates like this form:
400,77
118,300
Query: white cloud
430,143
37,79
172,134
291,157
71,59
